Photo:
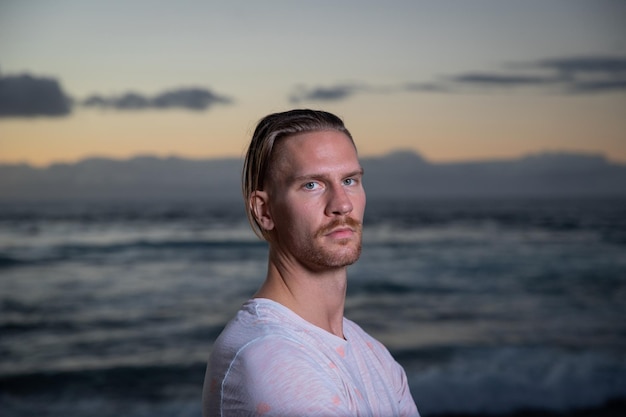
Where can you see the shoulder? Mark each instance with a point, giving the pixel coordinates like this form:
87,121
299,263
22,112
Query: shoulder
272,356
256,324
264,341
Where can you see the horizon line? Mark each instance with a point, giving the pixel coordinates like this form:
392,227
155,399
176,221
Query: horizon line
416,153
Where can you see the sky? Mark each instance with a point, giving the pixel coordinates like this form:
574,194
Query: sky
451,80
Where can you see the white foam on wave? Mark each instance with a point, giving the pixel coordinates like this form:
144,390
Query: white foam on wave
498,381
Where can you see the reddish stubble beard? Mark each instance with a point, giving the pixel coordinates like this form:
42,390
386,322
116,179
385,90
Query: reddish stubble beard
337,253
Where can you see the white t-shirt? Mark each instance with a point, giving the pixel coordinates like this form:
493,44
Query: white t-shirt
269,361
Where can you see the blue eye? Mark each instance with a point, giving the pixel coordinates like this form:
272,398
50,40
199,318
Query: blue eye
349,181
310,185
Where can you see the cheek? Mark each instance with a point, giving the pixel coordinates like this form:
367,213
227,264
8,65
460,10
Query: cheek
358,204
290,217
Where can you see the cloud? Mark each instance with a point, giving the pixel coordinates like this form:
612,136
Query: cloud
428,87
609,66
332,93
499,80
579,75
569,75
337,92
183,98
598,86
28,96
584,75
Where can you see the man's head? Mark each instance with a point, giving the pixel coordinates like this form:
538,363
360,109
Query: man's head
302,186
269,132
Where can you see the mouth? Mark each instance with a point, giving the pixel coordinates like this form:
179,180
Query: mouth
340,232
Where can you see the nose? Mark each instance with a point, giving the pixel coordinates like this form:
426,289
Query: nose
339,202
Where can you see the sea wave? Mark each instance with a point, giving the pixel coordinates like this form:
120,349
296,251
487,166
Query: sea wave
494,382
156,391
500,381
140,249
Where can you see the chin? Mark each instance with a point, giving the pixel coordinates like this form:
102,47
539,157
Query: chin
340,258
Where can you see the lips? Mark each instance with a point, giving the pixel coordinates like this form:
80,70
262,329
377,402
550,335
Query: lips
340,232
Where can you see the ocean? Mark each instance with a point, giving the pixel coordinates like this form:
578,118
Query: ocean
493,306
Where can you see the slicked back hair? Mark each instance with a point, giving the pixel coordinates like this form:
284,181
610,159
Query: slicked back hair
268,132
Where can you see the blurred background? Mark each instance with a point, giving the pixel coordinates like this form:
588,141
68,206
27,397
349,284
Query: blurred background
493,137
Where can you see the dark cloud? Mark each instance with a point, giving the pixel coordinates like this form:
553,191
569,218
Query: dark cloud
609,66
332,93
431,87
585,75
580,75
499,80
183,98
28,96
600,86
191,98
573,75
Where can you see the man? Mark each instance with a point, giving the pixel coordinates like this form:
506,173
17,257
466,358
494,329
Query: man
289,351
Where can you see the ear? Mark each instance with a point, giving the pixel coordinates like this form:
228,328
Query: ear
260,208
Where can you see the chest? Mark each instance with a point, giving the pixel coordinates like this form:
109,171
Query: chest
364,377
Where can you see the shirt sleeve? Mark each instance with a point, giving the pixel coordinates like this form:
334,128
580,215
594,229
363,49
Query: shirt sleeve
275,376
399,380
406,403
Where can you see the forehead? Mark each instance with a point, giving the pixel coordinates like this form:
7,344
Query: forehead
315,151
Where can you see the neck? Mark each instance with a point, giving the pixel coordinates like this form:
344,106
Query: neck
316,296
